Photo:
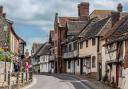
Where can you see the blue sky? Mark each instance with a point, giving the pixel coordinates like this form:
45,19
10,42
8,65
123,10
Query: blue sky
33,19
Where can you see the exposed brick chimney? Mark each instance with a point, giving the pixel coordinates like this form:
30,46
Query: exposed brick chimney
115,15
1,10
119,7
83,10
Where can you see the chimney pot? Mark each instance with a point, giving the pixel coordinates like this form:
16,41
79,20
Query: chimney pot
119,7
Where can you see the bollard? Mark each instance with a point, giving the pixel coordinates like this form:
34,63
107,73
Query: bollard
29,75
17,78
26,76
22,77
8,77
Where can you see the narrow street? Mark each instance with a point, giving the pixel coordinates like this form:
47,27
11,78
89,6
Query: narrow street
55,82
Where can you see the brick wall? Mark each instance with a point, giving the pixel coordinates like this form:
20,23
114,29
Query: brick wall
126,54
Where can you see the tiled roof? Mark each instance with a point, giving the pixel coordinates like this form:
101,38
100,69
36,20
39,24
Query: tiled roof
87,27
100,13
105,30
120,30
74,27
44,49
62,20
36,46
94,28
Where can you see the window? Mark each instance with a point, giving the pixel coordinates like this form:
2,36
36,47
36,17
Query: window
75,45
69,63
81,45
88,62
121,51
70,48
43,58
87,43
84,62
53,51
52,65
78,62
93,41
55,43
93,61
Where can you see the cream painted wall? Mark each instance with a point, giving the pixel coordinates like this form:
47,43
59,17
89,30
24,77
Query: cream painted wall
44,63
107,57
90,50
14,44
103,58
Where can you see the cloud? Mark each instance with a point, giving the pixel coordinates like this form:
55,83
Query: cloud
40,13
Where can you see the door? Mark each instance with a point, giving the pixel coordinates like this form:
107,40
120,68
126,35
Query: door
100,71
81,66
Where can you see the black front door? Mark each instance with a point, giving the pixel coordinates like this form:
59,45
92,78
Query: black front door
100,71
81,66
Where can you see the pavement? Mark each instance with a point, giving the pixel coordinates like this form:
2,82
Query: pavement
90,82
65,81
55,82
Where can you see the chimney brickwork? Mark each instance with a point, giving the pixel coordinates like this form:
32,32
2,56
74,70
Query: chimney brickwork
83,10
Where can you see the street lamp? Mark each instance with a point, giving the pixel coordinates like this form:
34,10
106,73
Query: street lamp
22,44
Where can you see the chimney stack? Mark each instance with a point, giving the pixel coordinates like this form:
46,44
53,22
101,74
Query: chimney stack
83,10
1,10
119,7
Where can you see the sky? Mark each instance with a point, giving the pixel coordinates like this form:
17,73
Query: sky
33,19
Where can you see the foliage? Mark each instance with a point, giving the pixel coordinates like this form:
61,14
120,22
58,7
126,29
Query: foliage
5,55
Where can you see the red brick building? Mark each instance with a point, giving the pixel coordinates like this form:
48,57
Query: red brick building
60,29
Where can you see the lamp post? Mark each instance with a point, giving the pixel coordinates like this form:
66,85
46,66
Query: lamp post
22,44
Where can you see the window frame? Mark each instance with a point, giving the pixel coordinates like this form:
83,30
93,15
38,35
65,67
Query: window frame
69,64
86,43
93,41
81,45
93,61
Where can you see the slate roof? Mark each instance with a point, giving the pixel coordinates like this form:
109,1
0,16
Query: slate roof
89,24
119,30
36,46
74,27
94,28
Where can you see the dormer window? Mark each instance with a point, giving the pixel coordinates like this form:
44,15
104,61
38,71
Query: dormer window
93,41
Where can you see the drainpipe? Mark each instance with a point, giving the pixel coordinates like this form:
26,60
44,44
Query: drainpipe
117,66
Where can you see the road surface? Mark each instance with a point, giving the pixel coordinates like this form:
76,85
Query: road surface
55,82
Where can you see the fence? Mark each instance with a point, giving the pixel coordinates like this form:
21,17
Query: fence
14,80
